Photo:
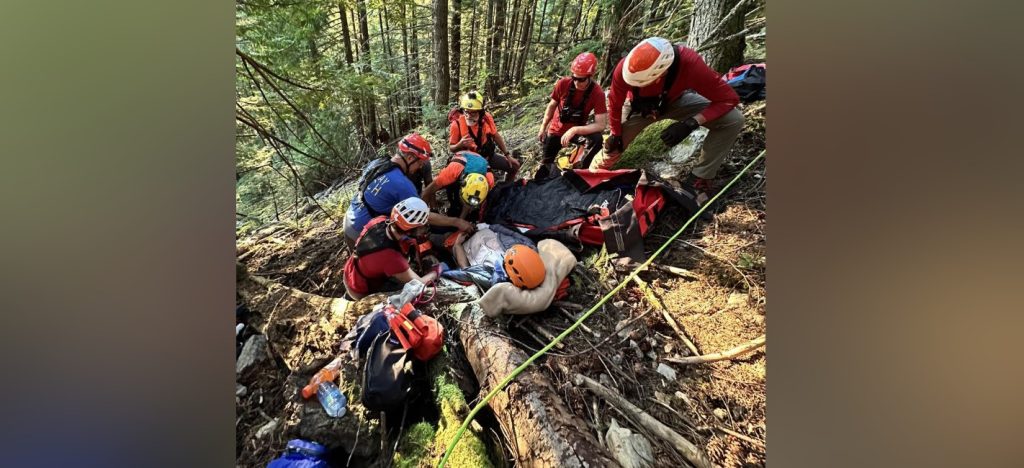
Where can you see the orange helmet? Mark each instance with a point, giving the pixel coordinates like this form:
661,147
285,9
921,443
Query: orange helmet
584,64
648,61
416,145
524,267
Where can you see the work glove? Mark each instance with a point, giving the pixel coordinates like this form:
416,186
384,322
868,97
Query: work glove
613,144
677,132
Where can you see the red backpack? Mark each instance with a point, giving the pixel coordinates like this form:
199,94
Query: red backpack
416,331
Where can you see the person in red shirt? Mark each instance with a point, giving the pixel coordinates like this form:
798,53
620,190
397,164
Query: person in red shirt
379,252
565,121
655,77
475,130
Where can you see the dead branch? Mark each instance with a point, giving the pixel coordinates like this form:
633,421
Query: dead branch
684,447
741,349
726,18
725,40
258,65
655,302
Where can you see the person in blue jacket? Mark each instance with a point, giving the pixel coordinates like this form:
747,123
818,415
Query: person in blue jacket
385,182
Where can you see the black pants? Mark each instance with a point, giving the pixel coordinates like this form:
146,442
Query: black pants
553,144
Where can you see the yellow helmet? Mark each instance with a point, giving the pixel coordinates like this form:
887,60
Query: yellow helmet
474,189
472,101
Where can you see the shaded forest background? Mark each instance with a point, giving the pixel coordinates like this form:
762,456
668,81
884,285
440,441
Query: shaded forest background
324,86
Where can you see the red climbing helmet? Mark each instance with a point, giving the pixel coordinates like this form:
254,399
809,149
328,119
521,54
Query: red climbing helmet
415,144
584,64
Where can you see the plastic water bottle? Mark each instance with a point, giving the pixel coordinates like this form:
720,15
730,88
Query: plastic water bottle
333,401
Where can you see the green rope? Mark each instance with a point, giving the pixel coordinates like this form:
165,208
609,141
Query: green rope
515,373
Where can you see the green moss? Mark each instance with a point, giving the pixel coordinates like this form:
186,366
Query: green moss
423,445
646,147
415,446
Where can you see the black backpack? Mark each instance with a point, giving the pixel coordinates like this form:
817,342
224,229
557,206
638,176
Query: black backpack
387,374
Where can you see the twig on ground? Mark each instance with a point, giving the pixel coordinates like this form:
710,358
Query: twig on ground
573,318
685,448
655,302
741,349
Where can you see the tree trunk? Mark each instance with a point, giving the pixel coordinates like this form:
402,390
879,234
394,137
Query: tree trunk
369,106
407,95
511,47
415,63
707,14
558,31
525,37
456,58
441,68
542,430
579,27
391,96
344,32
471,62
495,50
543,16
616,33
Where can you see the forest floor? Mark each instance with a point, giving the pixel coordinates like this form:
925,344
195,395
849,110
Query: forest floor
718,303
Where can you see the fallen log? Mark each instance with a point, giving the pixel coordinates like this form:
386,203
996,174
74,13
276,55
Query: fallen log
737,351
685,448
540,428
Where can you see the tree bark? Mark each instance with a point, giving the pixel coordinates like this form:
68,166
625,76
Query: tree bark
616,32
495,52
471,64
456,57
415,63
558,31
345,35
369,104
524,42
541,429
391,95
407,98
441,68
705,27
512,47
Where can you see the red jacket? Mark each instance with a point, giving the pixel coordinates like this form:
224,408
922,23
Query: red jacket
692,73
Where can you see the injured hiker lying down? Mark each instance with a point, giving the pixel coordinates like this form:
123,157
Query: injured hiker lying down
493,254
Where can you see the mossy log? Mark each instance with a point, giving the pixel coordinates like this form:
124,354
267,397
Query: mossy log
541,429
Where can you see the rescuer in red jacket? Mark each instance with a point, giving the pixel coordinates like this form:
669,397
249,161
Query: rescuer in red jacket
655,77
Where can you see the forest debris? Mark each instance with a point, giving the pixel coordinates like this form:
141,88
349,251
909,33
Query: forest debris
268,428
734,352
629,449
253,353
666,371
684,447
655,302
240,390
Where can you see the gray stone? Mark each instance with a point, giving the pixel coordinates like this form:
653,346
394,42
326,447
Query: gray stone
254,352
666,371
678,155
240,390
629,449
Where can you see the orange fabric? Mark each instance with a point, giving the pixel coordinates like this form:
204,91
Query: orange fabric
460,128
643,57
451,173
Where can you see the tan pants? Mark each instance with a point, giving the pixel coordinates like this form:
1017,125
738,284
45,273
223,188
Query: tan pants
722,133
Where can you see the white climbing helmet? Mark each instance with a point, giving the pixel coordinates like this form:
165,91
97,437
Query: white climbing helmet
648,61
410,213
